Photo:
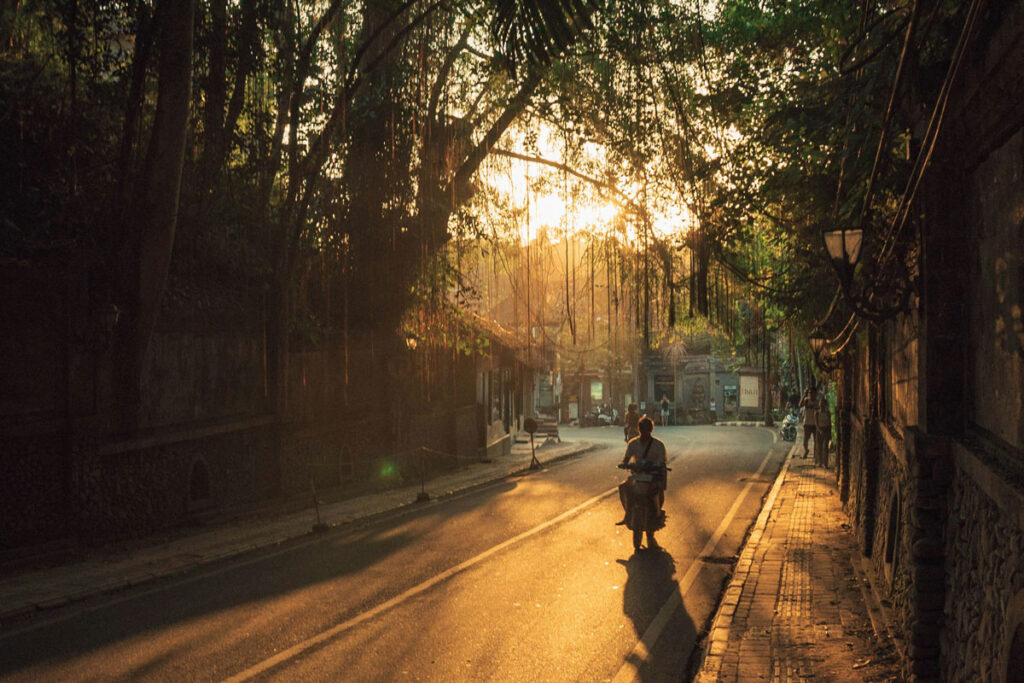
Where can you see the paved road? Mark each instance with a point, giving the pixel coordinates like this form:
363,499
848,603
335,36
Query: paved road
527,579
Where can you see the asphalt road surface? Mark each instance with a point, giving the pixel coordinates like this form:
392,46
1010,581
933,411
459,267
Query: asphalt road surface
528,579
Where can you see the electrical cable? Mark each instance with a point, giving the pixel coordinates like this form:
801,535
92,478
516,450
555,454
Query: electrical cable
884,137
934,127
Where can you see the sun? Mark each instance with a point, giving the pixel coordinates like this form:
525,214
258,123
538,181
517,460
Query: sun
545,194
535,195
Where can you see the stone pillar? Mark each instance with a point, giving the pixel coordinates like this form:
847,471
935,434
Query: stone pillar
943,283
843,426
869,490
942,346
931,471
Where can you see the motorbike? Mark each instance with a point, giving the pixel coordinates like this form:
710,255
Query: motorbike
643,507
788,429
607,415
600,416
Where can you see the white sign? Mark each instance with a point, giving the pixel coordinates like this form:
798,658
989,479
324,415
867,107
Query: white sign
750,392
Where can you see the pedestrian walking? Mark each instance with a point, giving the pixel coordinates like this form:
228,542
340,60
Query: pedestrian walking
664,410
809,404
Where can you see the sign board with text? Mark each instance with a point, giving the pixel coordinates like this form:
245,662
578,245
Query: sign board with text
750,391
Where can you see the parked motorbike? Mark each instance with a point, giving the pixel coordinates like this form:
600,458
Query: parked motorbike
600,416
788,429
643,506
607,415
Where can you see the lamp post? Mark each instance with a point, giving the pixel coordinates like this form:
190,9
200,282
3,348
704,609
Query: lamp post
883,297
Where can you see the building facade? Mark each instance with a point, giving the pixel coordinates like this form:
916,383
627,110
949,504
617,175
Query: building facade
931,408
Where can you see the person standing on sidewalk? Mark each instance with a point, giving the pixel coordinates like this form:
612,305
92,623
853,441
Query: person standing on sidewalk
794,400
810,404
823,433
629,421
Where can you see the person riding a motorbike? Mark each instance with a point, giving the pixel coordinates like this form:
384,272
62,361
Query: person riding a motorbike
789,424
630,421
646,448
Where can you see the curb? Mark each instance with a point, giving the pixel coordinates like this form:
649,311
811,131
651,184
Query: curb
718,635
414,505
24,608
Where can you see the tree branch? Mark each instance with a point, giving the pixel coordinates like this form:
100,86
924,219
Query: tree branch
622,199
473,160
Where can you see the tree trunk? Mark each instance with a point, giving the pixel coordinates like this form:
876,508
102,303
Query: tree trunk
215,90
155,207
703,264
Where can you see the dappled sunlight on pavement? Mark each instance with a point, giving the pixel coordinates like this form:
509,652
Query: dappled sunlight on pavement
794,609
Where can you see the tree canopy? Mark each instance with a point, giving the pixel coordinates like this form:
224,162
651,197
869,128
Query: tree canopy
312,161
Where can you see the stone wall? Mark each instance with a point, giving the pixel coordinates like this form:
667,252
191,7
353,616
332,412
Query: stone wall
34,494
862,505
985,571
135,488
332,454
191,377
207,444
996,312
929,474
360,450
38,330
891,559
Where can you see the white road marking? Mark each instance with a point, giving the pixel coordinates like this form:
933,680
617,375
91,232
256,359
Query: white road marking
299,648
641,653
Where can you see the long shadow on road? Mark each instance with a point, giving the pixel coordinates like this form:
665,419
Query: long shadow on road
666,638
244,611
238,595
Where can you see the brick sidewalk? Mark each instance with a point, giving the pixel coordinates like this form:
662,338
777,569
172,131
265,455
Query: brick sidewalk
107,570
794,609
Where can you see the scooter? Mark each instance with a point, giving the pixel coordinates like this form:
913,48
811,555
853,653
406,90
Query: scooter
643,509
788,429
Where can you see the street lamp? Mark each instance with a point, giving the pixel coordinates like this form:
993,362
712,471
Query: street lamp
843,246
818,342
887,291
